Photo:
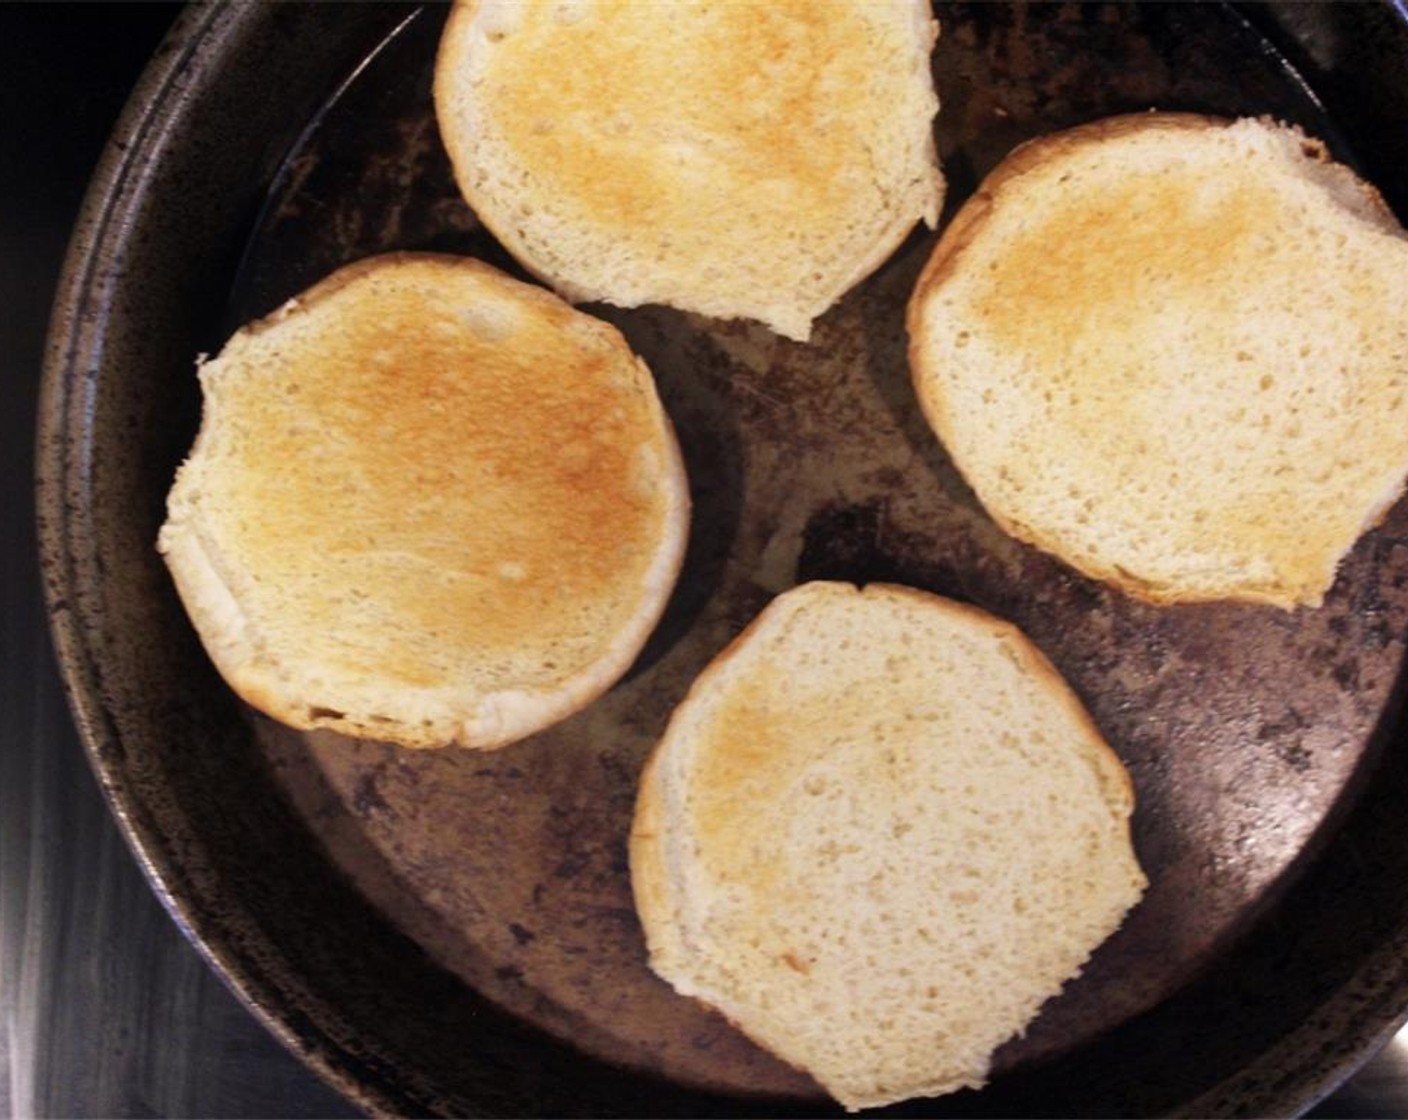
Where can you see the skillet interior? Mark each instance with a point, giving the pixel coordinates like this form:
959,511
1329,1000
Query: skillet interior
1270,954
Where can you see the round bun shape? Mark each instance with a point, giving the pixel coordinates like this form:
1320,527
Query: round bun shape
1172,350
877,835
739,160
428,504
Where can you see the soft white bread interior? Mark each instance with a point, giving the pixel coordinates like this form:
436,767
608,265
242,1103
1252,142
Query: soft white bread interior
878,833
1173,351
427,504
741,160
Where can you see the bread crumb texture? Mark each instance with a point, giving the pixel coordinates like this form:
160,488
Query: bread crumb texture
1173,351
427,503
738,159
878,834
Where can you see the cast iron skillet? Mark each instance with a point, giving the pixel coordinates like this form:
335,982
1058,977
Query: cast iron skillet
451,932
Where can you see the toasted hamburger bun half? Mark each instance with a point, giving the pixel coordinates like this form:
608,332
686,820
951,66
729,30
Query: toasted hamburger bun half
740,160
1173,351
877,834
428,504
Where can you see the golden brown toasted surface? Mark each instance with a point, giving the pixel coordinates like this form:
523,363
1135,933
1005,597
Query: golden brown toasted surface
877,834
1195,327
731,158
789,722
427,503
423,425
752,73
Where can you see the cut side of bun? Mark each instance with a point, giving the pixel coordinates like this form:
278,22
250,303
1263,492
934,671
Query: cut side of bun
427,504
738,160
877,835
1172,351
